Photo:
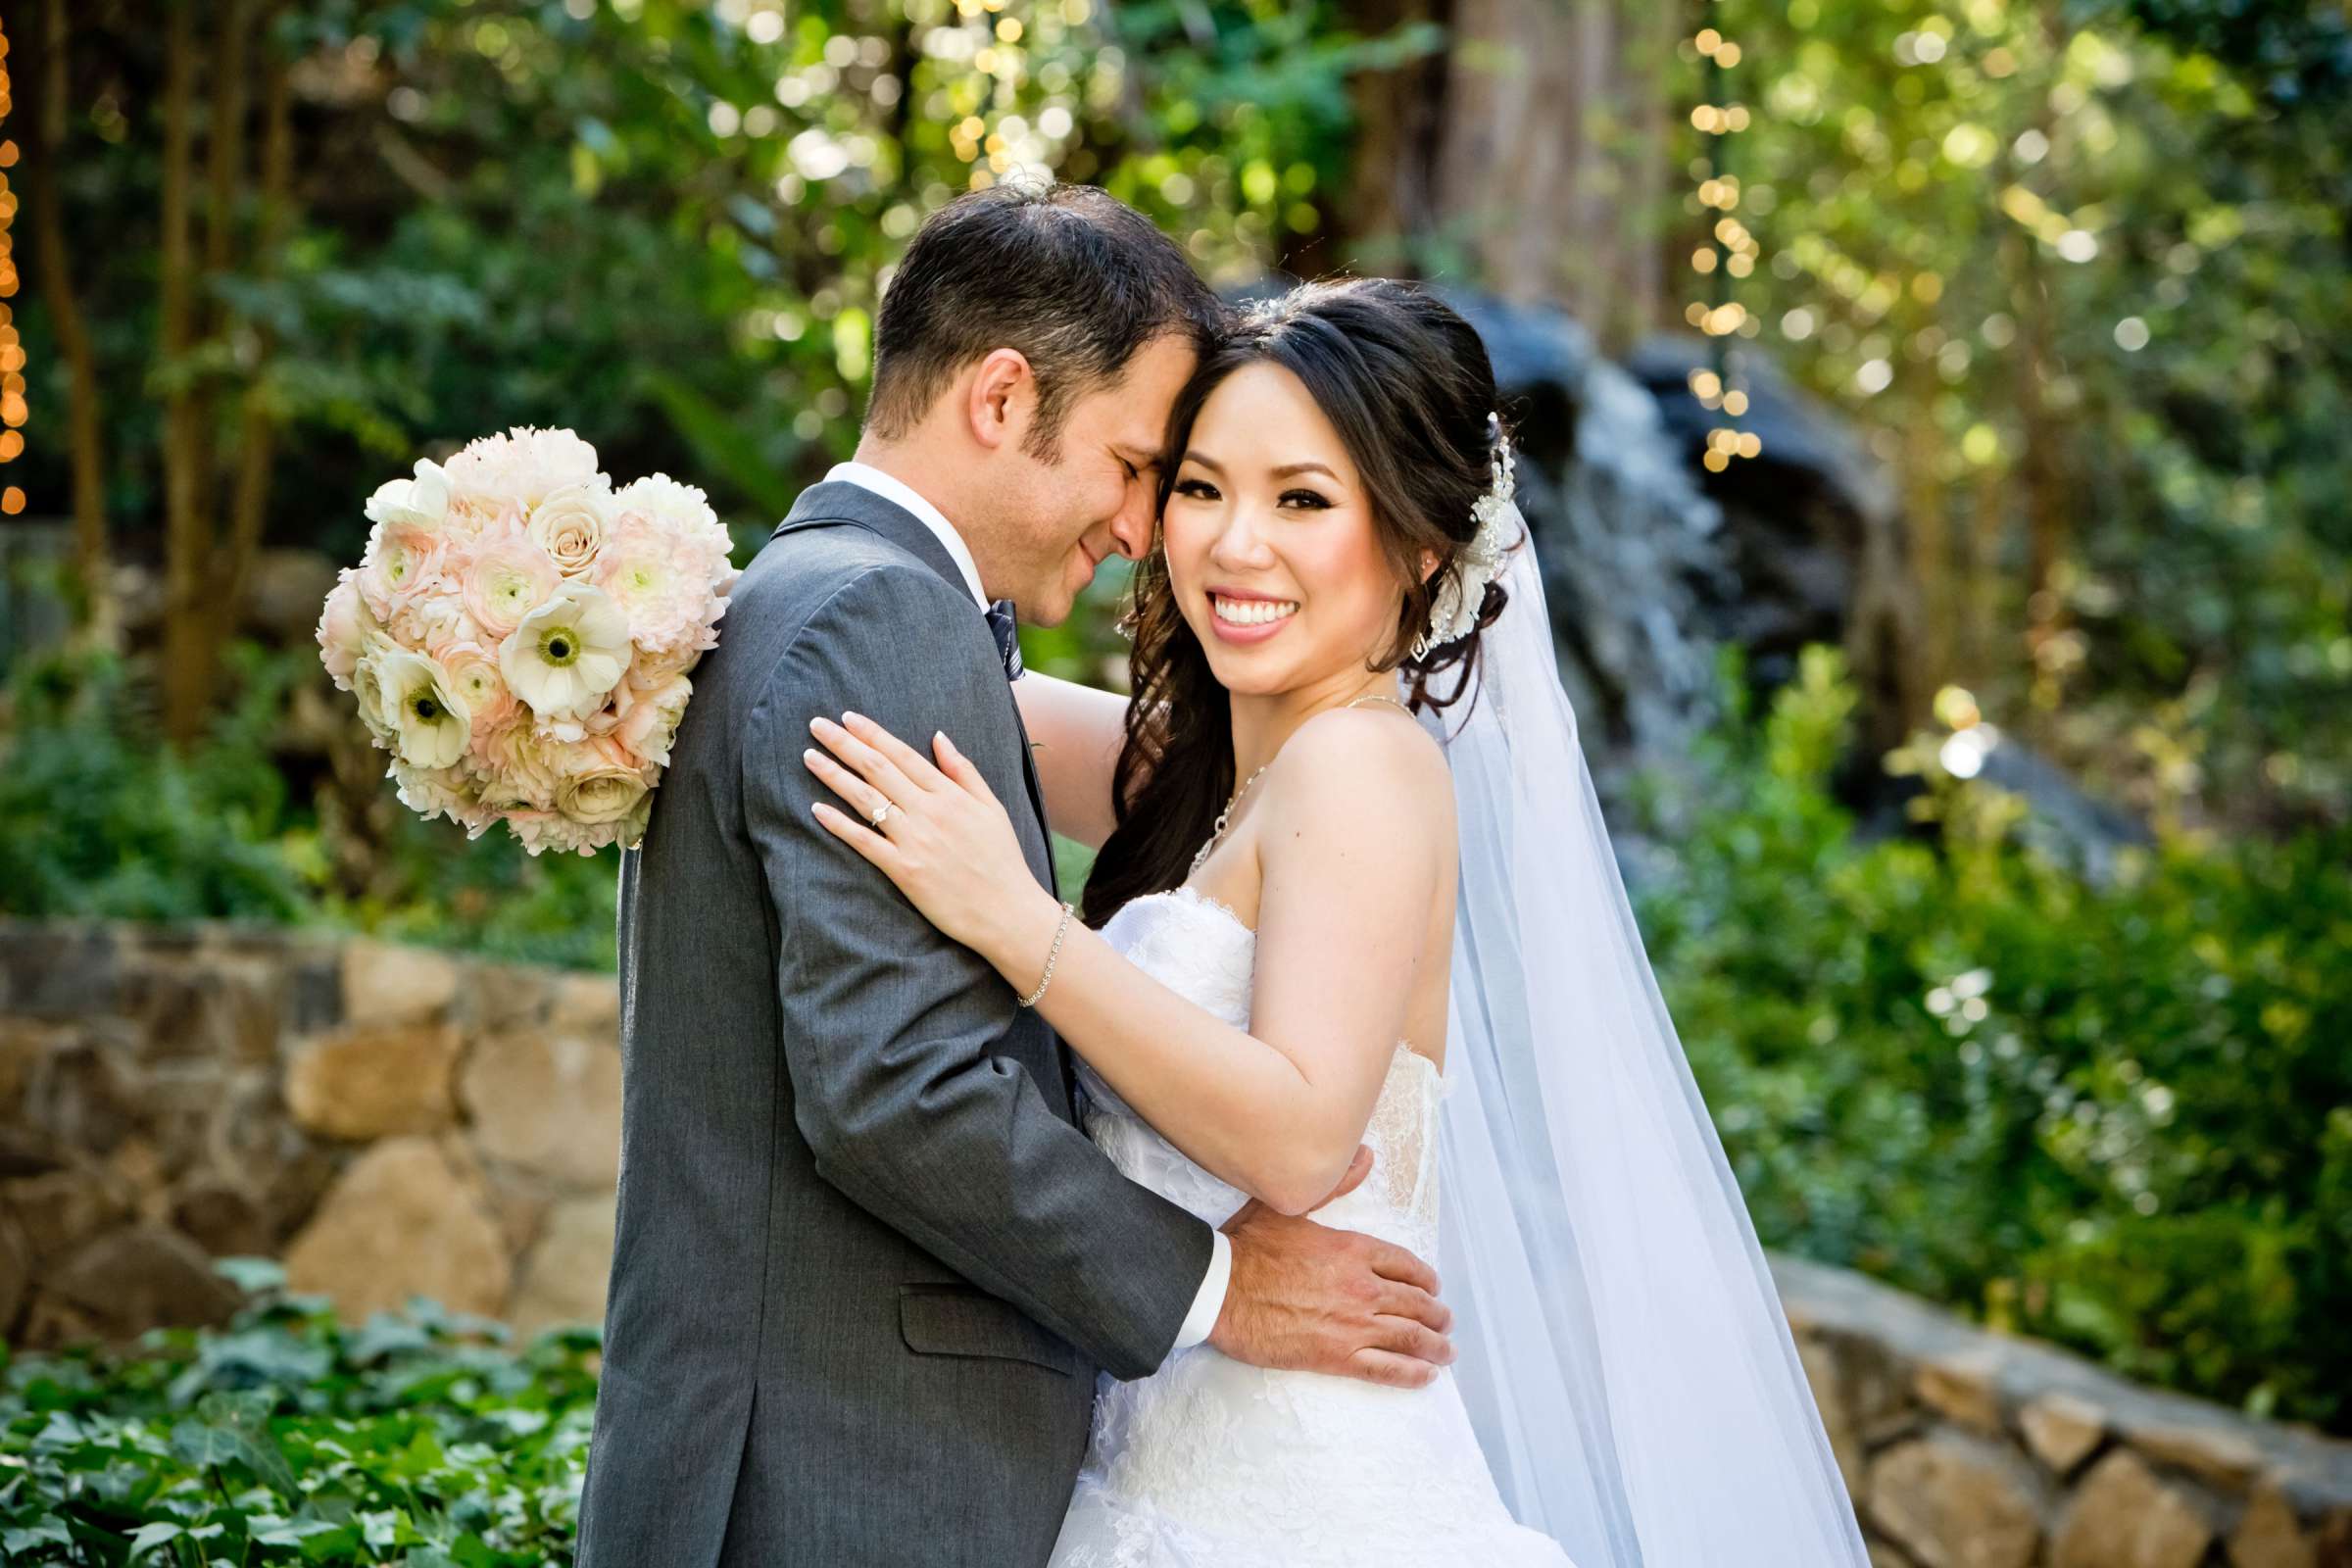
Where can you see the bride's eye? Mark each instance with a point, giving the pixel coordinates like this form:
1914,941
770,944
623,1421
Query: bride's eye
1197,489
1305,500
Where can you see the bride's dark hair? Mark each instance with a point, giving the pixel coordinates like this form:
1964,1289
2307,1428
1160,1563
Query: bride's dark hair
1407,384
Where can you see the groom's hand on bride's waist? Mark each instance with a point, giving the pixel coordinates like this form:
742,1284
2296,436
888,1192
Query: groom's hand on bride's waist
1306,1297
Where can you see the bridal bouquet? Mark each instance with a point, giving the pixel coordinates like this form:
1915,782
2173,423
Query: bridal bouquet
520,633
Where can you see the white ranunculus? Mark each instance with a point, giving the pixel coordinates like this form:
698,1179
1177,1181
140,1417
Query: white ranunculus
505,580
567,655
346,630
648,722
524,464
422,501
443,792
427,716
570,526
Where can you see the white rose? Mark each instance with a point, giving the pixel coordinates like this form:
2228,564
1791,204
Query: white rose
570,526
600,784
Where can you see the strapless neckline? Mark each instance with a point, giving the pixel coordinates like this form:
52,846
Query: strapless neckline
1185,894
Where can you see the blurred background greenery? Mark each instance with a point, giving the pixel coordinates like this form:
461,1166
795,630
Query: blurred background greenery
2072,273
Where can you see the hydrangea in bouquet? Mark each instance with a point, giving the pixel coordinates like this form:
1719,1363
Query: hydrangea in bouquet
520,633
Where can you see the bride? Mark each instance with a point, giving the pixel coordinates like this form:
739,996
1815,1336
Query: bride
1290,945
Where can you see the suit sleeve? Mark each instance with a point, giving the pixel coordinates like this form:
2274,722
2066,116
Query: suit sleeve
891,1030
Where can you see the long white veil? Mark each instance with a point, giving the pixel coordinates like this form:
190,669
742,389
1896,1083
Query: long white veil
1623,1351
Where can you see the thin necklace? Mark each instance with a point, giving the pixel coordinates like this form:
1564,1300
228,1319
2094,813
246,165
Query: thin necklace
1216,831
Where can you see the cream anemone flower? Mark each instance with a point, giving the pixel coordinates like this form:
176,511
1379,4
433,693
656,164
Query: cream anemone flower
429,720
567,654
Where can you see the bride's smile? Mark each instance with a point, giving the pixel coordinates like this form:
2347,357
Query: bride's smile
1272,546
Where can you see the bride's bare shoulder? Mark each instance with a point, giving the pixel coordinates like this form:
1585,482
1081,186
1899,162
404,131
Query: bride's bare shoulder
1372,772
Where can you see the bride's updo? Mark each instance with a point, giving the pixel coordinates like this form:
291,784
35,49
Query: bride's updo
1407,386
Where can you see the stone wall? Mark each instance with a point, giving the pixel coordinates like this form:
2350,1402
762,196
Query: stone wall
392,1121
1968,1449
386,1119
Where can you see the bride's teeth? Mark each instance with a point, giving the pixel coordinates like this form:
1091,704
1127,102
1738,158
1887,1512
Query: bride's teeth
1253,612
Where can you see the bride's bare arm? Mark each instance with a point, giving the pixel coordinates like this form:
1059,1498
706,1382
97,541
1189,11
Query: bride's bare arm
1074,733
1354,837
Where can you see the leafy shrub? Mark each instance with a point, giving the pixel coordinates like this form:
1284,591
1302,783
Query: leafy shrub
2116,1115
100,819
425,1440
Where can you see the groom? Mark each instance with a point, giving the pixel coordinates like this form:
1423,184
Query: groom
867,1265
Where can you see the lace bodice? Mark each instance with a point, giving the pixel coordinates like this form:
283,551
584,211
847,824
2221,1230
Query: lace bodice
1200,950
1211,1463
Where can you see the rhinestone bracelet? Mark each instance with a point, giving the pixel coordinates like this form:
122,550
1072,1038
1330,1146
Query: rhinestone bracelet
1060,930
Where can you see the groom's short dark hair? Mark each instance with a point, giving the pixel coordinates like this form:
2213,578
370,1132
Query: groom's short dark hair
1070,276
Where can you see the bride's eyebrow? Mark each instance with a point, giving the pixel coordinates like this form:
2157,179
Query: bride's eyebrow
1196,454
1289,468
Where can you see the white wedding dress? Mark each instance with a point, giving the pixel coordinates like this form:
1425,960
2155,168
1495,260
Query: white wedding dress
1210,1463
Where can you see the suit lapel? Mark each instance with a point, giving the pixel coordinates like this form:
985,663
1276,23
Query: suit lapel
836,502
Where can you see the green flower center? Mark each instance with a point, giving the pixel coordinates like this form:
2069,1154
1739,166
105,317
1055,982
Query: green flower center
424,705
560,645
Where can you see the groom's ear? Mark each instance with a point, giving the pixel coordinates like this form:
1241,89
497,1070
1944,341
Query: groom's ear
1002,398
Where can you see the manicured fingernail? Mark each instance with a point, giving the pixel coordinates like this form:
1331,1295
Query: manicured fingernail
848,718
819,724
809,756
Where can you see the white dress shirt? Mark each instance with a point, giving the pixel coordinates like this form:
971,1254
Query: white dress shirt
1210,1300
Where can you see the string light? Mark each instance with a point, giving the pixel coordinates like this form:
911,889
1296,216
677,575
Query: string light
12,410
1729,253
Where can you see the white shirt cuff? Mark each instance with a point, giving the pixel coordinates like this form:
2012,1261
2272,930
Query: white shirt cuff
1202,1318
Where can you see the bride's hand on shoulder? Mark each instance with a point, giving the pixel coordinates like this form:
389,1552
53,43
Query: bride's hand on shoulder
943,837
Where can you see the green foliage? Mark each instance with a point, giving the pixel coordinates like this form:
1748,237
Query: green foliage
2119,1116
426,1440
2081,273
99,818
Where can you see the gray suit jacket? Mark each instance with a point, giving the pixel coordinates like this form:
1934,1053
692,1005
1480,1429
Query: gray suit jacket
867,1263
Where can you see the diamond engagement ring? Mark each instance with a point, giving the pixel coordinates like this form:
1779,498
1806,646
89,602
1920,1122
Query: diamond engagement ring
882,815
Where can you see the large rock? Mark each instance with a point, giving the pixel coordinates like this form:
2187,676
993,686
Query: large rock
386,984
1828,1383
563,1282
1957,1501
368,1082
587,1003
1962,1389
217,1008
16,1275
2210,1448
57,1213
142,1277
2062,1430
548,1102
2123,1517
400,1223
2268,1536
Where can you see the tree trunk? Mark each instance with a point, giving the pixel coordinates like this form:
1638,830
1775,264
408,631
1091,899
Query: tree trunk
257,439
1531,158
48,82
188,653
